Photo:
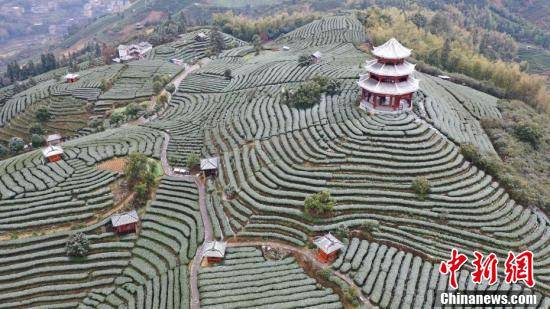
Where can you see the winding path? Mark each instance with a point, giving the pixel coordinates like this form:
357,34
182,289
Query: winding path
196,263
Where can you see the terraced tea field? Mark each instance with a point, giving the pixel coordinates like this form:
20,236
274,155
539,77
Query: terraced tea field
274,156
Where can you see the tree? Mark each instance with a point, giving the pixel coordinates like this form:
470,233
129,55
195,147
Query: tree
36,128
421,186
170,87
78,245
142,193
42,114
192,161
319,203
439,24
37,140
117,118
157,86
528,133
163,99
227,74
445,52
304,60
132,110
4,151
137,165
419,20
217,43
229,191
16,144
257,42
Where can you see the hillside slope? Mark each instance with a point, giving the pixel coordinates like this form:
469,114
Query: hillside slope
274,156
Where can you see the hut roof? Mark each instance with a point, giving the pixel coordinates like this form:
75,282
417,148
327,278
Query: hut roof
52,151
209,163
328,243
124,218
53,137
215,249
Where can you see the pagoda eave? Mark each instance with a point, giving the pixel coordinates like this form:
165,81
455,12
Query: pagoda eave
389,89
391,70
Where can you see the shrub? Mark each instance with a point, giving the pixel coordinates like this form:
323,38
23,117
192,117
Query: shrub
141,193
157,86
421,186
42,114
306,96
228,74
528,133
330,86
470,152
117,118
170,88
305,60
319,203
37,140
192,160
36,128
342,231
229,191
132,110
162,99
78,245
137,167
4,151
16,144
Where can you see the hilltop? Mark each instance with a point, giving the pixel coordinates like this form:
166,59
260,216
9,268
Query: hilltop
272,156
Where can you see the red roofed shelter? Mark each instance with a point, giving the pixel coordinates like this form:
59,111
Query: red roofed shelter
52,153
328,247
214,251
125,222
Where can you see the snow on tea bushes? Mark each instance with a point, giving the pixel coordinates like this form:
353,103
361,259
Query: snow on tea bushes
171,231
391,278
247,279
447,114
35,271
135,80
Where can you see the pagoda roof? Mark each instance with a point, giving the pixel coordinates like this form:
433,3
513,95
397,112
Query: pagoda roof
376,86
392,49
389,69
328,243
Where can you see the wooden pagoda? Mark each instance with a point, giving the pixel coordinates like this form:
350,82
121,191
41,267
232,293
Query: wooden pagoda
388,86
